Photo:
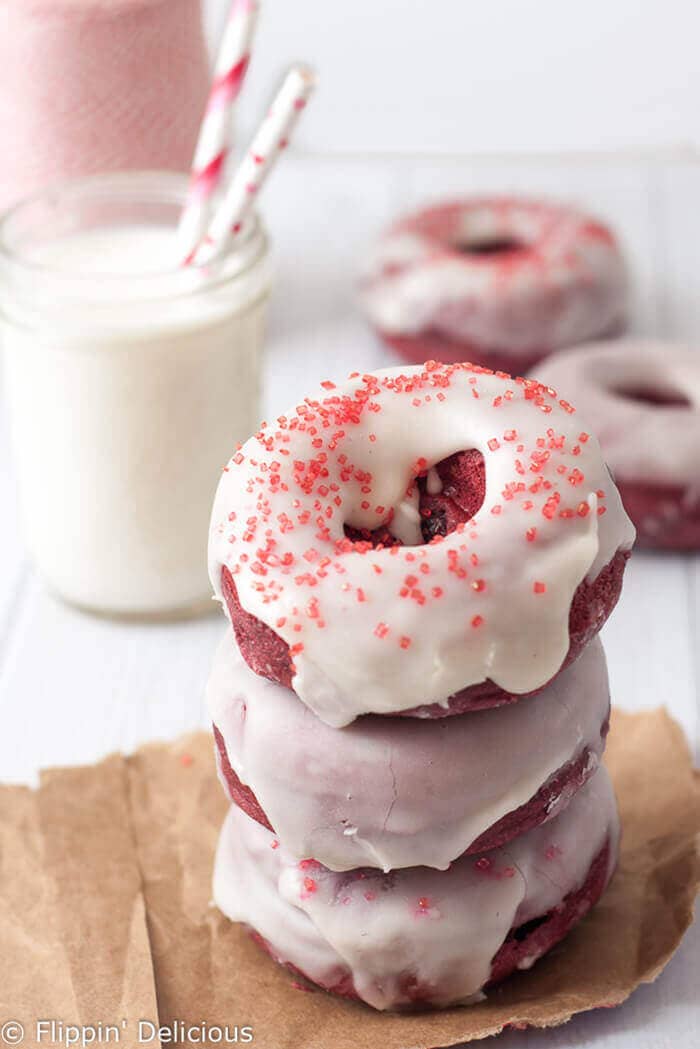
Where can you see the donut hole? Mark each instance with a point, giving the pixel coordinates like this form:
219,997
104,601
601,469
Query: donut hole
653,397
377,538
488,246
462,479
450,494
527,928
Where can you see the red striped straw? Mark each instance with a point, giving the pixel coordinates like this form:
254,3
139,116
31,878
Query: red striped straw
271,138
214,142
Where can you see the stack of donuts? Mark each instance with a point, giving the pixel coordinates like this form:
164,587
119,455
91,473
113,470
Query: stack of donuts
411,706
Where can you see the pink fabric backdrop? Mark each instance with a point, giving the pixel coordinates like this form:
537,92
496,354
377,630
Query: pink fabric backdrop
97,85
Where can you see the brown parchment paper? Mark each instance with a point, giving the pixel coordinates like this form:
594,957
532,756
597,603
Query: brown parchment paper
74,945
105,906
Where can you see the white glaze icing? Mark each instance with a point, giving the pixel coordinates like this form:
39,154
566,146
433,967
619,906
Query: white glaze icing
390,629
570,286
443,928
399,792
651,443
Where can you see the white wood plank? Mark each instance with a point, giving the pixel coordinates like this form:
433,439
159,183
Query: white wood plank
679,193
75,687
679,202
13,562
648,642
322,213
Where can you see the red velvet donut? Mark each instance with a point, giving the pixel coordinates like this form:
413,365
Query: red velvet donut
526,942
499,281
426,541
404,792
462,476
559,787
642,397
421,937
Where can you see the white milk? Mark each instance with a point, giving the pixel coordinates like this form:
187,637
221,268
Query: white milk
129,383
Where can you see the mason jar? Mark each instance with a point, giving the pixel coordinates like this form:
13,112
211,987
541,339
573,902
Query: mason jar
129,380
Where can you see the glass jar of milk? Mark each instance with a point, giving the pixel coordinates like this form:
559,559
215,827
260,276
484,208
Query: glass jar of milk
129,380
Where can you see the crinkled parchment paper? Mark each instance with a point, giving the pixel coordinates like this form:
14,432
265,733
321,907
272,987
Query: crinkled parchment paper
105,913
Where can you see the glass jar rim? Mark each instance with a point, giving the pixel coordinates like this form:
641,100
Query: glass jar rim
146,188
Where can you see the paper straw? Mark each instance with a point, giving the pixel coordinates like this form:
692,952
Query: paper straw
214,143
271,138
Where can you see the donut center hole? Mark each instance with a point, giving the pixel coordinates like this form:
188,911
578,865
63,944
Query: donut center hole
523,931
449,494
652,397
503,245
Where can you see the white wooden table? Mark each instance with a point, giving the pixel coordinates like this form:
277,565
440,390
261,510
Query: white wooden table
73,687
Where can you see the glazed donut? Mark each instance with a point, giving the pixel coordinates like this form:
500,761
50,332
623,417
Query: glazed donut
642,397
501,282
479,604
398,792
420,936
